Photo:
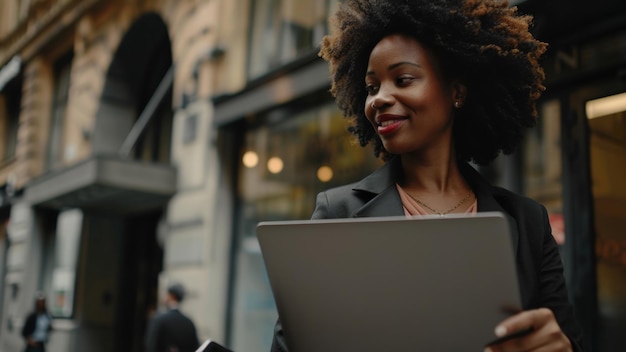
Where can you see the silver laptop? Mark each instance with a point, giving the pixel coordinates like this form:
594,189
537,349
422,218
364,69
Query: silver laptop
391,284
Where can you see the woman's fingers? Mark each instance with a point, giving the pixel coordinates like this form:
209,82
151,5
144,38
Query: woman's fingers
544,333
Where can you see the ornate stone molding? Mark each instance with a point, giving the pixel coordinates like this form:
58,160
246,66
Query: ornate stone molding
45,19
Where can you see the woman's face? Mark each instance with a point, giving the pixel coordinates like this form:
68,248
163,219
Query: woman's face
409,104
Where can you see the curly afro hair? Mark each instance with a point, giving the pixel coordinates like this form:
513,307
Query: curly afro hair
484,43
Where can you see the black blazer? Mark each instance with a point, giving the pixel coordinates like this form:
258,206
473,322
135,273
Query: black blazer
171,331
539,267
31,321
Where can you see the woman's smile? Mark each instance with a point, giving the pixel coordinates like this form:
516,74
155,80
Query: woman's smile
388,123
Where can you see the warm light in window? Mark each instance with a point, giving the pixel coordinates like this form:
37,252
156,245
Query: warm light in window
250,159
275,165
325,173
606,106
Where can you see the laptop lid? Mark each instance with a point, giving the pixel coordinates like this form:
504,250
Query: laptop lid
393,283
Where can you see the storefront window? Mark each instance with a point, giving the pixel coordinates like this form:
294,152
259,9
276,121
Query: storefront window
286,160
283,30
607,125
10,105
59,262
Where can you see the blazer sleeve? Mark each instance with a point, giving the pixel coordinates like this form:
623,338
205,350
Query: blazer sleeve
152,334
278,344
553,291
322,207
29,326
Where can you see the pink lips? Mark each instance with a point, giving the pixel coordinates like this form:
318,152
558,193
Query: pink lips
389,123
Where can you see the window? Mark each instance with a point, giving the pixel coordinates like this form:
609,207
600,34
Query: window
59,106
284,30
607,127
10,98
286,159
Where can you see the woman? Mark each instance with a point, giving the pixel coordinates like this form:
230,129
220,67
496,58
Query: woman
37,327
432,85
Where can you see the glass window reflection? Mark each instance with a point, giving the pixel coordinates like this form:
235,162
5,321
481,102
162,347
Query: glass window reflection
283,30
287,157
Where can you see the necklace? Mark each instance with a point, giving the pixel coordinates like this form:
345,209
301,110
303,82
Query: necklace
447,211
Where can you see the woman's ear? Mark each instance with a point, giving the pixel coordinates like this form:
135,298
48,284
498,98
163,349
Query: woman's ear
459,93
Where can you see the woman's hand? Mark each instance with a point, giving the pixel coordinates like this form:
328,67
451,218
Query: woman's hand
546,334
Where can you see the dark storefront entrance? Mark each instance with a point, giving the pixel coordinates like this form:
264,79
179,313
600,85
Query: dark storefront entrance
599,106
118,279
586,74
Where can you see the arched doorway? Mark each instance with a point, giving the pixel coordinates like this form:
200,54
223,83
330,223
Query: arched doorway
140,65
134,123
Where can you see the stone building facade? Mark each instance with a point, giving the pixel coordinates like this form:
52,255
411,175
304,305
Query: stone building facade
110,176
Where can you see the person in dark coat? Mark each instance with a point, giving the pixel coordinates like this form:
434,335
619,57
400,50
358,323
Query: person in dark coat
433,85
171,330
37,327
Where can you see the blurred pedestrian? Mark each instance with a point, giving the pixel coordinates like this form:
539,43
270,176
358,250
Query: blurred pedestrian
171,330
37,327
433,85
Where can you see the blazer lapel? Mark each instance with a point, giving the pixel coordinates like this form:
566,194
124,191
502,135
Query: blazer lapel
379,189
386,203
486,200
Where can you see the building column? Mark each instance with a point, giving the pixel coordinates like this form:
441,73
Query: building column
22,274
197,234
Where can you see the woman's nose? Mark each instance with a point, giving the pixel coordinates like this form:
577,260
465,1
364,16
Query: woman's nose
384,97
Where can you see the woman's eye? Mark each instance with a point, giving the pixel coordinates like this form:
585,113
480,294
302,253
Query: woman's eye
371,89
404,80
